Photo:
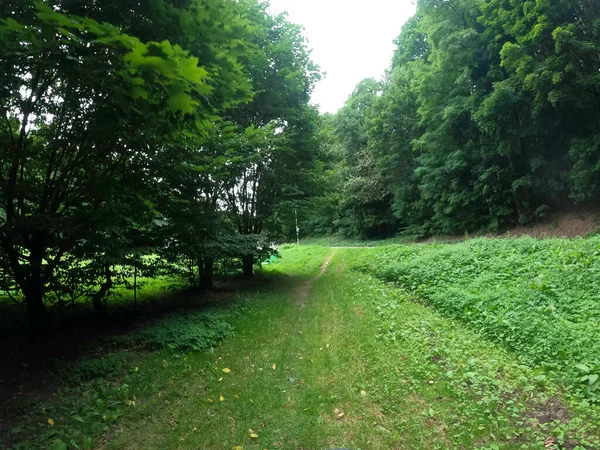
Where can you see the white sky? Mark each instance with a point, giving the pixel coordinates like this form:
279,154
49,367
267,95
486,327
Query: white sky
351,40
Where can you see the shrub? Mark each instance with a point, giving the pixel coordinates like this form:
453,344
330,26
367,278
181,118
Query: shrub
192,330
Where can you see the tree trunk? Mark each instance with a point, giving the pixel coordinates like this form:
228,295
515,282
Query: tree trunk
248,265
97,298
206,268
31,283
36,310
135,287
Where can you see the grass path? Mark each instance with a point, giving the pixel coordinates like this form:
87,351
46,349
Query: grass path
303,289
322,357
313,365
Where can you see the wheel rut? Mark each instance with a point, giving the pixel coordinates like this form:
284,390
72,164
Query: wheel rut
303,290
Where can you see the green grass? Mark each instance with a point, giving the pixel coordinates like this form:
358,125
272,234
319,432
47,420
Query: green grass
341,241
403,374
539,298
13,317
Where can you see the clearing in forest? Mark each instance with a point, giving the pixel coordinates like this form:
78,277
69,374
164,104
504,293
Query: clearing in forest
324,356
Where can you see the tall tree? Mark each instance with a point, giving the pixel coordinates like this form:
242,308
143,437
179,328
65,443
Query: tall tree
88,116
488,116
283,76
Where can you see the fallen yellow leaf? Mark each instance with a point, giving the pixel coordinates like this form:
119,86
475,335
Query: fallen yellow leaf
254,435
274,366
221,398
226,370
237,447
209,400
220,379
51,422
137,369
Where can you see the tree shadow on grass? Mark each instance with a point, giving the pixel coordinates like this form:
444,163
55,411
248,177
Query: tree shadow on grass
29,363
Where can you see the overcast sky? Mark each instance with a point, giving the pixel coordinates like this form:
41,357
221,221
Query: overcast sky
351,40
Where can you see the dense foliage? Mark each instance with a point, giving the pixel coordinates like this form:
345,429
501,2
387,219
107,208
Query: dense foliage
540,298
184,332
489,115
171,128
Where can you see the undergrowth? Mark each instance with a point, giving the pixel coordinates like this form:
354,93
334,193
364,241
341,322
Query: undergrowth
471,393
97,392
342,241
539,298
183,331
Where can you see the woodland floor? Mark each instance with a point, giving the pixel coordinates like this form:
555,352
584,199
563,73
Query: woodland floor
308,367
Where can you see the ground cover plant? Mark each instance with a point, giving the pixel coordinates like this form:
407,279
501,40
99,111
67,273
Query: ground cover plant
538,297
83,397
317,354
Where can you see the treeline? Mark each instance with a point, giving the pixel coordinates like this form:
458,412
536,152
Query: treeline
488,116
138,136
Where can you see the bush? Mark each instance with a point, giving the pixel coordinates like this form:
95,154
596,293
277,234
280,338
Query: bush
90,368
192,330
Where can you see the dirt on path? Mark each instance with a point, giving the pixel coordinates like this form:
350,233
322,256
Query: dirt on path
303,290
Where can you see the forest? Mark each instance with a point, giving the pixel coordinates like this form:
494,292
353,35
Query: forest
158,157
489,116
177,137
141,138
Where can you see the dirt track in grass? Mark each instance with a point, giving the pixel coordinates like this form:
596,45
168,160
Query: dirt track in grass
323,356
303,290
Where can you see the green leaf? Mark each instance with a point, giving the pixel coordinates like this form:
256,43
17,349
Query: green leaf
181,101
583,367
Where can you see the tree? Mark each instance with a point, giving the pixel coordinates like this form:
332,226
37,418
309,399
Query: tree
488,116
88,115
364,198
193,204
268,171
